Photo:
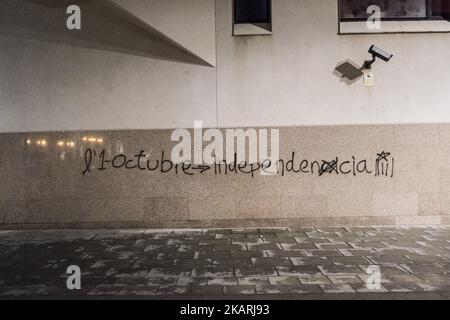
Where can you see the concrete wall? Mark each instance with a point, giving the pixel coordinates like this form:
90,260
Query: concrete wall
281,80
48,86
189,23
284,80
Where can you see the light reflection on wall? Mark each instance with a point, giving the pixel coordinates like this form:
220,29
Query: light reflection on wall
93,140
40,142
69,144
63,147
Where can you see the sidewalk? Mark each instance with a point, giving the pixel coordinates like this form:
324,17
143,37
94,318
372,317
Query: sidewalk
302,263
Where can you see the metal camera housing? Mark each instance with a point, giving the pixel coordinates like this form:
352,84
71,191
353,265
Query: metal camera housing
377,53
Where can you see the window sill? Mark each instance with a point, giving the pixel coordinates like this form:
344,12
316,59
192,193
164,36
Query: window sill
360,27
251,29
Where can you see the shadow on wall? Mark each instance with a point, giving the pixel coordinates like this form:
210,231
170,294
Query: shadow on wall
105,26
348,71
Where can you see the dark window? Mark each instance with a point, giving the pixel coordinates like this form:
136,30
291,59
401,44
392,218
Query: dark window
441,9
356,10
252,11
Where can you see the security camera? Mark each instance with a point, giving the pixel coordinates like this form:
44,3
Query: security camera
377,53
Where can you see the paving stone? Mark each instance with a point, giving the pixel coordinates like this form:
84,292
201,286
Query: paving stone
344,238
323,253
224,281
273,230
359,229
272,289
342,279
108,290
284,253
280,240
314,279
245,231
436,279
305,289
298,270
172,271
250,240
247,254
389,259
256,271
302,261
358,252
264,246
337,288
296,233
147,281
214,242
363,288
424,268
212,272
345,261
403,287
403,244
386,269
229,247
392,252
271,262
365,278
231,237
253,280
217,231
331,229
142,290
333,245
426,286
235,262
176,255
205,290
418,258
244,289
184,281
317,234
377,238
446,266
315,240
193,262
286,280
337,270
149,264
257,236
302,229
367,244
403,278
299,246
435,251
214,254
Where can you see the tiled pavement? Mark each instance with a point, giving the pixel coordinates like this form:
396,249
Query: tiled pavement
227,263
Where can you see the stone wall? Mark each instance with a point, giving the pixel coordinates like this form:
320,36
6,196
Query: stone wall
57,180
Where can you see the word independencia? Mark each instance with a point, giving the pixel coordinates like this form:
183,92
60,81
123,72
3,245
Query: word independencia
383,165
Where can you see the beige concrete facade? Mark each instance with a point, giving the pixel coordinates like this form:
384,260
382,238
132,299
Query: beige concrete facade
285,79
163,64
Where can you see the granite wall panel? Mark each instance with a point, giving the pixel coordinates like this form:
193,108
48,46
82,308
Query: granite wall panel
81,179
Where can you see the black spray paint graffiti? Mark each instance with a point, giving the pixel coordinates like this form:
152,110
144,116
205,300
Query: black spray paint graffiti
98,161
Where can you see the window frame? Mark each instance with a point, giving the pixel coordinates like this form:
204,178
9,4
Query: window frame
269,9
429,18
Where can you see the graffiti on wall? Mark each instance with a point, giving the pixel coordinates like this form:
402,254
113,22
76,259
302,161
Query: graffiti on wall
98,161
